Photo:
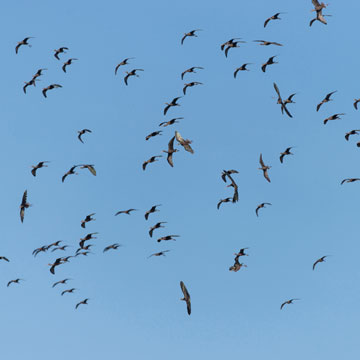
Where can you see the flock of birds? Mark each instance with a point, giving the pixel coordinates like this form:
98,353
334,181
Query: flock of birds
227,175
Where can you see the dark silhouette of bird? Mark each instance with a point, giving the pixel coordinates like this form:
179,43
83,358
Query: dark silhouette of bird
170,122
56,243
151,211
267,43
237,265
82,132
226,173
263,205
57,262
63,248
170,151
289,100
191,84
113,247
229,199
185,143
60,282
70,172
173,103
227,43
270,61
4,258
154,133
38,73
186,297
90,167
67,63
240,253
131,73
39,250
264,168
349,180
281,102
352,132
322,259
50,87
125,212
356,101
287,303
38,166
24,205
241,68
156,226
274,17
151,160
87,219
168,237
29,83
191,33
190,70
23,42
68,291
84,302
233,45
86,238
60,51
16,281
325,100
161,253
124,62
333,117
286,152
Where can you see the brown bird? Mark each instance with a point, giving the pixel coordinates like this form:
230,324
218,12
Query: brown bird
82,132
39,250
186,297
289,99
161,253
349,180
269,62
152,210
31,82
124,62
170,122
113,246
63,248
156,226
168,237
14,282
131,73
50,87
190,70
4,258
86,238
264,168
352,132
260,207
67,63
333,117
84,302
191,84
125,212
184,142
240,253
326,99
267,43
322,259
237,266
355,103
38,166
319,15
191,33
173,103
151,160
281,102
286,152
69,291
23,42
227,173
170,151
287,303
60,51
87,219
24,205
274,17
56,243
241,68
229,42
233,45
154,133
60,282
223,201
70,172
57,262
91,168
38,73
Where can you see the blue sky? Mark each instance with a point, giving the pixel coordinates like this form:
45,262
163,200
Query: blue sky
134,309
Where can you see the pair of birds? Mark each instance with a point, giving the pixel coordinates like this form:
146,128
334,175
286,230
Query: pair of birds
91,168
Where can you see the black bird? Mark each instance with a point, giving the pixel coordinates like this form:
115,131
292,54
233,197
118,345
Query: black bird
151,160
82,132
333,117
168,237
173,103
356,101
170,122
191,33
152,210
154,133
281,102
124,62
70,172
274,17
131,73
50,87
70,291
38,166
319,15
286,152
349,180
90,167
190,70
237,265
23,42
125,212
184,142
229,199
322,259
352,132
24,205
186,297
156,226
31,82
16,281
191,84
269,62
227,43
67,63
287,303
241,68
325,100
60,51
4,258
57,262
38,73
233,45
161,253
267,43
60,282
87,219
260,207
84,302
170,151
113,246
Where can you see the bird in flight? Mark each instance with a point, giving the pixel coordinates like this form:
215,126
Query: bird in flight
333,117
154,133
168,237
87,219
124,62
67,63
322,259
325,100
131,73
90,167
191,84
237,265
24,205
286,152
241,68
232,45
82,132
264,168
84,302
221,201
191,33
229,42
287,303
125,211
16,281
70,172
152,210
161,253
23,42
113,246
186,297
31,82
274,17
38,166
185,143
352,132
156,226
68,291
38,73
170,122
281,102
263,205
171,104
60,51
60,282
57,262
267,43
240,253
270,61
319,15
190,70
349,180
151,160
170,151
50,87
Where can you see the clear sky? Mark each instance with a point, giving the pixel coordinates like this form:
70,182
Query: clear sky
134,311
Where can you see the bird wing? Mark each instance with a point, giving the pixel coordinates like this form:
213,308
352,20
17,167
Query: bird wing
184,37
261,160
277,90
64,67
286,110
117,67
24,198
266,22
266,175
235,73
126,79
263,67
91,169
315,263
282,158
227,50
166,109
79,137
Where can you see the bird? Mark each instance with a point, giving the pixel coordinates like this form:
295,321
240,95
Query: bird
56,243
70,172
38,166
186,297
237,266
260,207
221,201
325,100
333,117
267,43
289,99
228,173
90,167
274,17
16,281
151,160
82,132
87,219
161,253
281,102
191,84
29,83
23,42
125,212
355,103
131,73
151,211
124,62
270,61
170,151
24,205
156,226
349,180
69,291
264,168
39,250
50,87
38,73
190,70
60,282
113,246
240,253
84,302
241,68
286,152
287,303
60,51
154,133
67,63
170,122
184,142
4,258
352,132
319,15
168,237
171,104
233,45
63,248
229,42
57,262
191,33
322,259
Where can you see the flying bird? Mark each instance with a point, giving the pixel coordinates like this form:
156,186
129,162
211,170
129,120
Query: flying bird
226,173
322,259
168,237
151,211
286,152
67,63
264,168
319,15
154,133
63,248
60,51
229,199
184,142
70,172
325,100
16,281
237,265
57,262
186,297
274,17
191,84
281,102
156,226
349,180
23,42
240,253
263,205
270,61
190,70
173,103
124,62
170,122
267,43
151,160
131,73
68,291
60,282
38,73
29,83
287,303
38,166
233,45
227,43
241,68
125,212
24,205
50,87
84,302
170,151
91,168
82,132
352,132
87,219
191,33
333,117
113,246
161,253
